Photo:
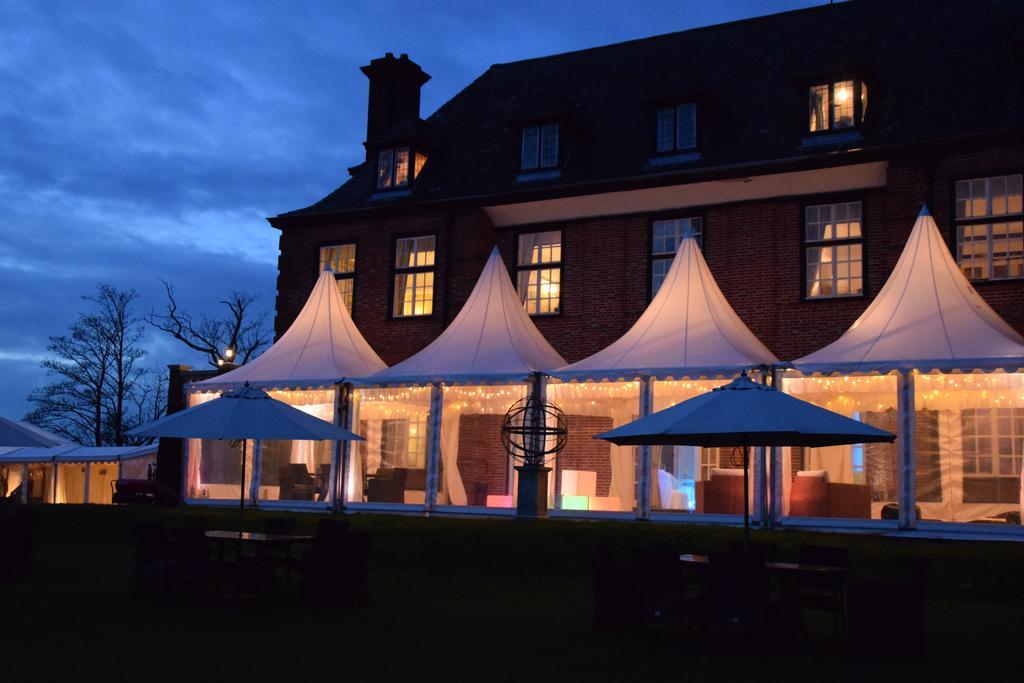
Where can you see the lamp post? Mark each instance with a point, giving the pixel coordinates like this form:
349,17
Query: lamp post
226,362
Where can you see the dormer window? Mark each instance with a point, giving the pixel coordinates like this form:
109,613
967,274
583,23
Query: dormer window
540,147
394,168
835,106
677,128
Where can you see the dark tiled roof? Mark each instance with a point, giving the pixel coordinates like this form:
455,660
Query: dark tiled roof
936,69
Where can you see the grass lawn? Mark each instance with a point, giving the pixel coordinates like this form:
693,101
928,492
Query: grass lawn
462,600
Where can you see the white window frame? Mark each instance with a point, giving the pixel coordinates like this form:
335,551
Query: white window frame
983,223
423,275
534,141
332,255
994,438
527,268
661,256
672,115
834,244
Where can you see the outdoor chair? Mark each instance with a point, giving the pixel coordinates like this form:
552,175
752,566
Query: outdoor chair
190,553
822,592
888,612
737,595
660,597
16,545
387,486
341,576
296,483
154,566
614,588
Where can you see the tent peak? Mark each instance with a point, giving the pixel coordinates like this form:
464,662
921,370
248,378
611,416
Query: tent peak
924,211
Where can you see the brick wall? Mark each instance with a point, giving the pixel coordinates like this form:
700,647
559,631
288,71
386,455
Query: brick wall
583,452
483,463
753,249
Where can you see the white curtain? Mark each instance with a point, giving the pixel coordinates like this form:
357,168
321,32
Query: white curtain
453,484
459,402
620,403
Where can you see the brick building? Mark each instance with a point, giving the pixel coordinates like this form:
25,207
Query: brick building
800,146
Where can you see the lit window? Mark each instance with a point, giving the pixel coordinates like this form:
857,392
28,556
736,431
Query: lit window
677,128
540,147
539,272
838,105
341,259
666,237
414,276
393,167
993,442
990,227
834,250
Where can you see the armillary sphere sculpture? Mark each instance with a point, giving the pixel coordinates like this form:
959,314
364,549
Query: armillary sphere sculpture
532,434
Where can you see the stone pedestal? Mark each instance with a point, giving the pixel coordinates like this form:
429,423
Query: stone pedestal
532,502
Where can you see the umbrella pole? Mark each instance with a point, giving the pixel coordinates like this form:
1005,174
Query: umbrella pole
241,486
746,499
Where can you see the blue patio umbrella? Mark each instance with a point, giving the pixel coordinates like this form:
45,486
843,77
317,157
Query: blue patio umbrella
742,414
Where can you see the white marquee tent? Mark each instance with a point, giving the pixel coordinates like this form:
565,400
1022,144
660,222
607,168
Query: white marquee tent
432,422
69,473
303,368
931,359
687,341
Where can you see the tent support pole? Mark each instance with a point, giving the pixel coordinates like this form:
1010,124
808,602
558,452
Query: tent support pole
257,467
746,498
85,492
907,424
433,448
342,449
25,483
241,483
775,503
643,475
56,467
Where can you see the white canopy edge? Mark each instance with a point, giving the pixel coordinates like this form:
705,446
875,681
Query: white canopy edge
320,348
661,374
689,329
491,341
927,317
77,454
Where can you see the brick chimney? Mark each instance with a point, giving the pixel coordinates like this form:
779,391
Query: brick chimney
394,92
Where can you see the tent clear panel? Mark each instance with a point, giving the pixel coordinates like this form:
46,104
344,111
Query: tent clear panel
215,466
40,483
687,479
859,481
298,470
591,474
10,480
969,446
390,465
475,469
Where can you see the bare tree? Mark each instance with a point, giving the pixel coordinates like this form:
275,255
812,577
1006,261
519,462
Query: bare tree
148,402
97,363
241,329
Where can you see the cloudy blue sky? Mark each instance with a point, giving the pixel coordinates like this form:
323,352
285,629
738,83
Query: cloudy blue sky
145,140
